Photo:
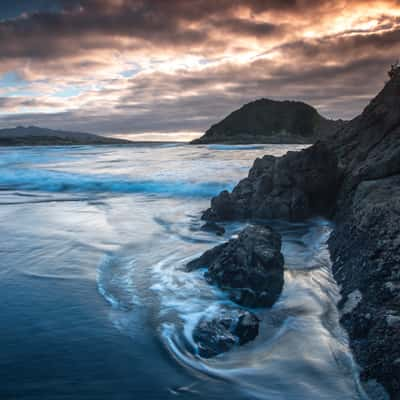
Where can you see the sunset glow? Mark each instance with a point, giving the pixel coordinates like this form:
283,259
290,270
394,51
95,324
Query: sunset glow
135,67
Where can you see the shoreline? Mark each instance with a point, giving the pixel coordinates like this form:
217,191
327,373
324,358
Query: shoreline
352,177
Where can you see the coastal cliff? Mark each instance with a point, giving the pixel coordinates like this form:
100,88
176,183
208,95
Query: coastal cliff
353,177
270,121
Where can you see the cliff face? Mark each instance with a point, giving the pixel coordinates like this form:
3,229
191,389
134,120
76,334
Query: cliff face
269,121
365,245
365,250
353,177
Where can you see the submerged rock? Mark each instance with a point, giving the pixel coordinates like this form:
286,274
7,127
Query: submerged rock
210,226
249,268
221,333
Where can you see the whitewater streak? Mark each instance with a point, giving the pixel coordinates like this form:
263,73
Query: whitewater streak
93,281
55,181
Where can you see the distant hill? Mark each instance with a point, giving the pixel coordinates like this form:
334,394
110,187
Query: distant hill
35,136
270,121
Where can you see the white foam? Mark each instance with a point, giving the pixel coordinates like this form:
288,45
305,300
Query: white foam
115,284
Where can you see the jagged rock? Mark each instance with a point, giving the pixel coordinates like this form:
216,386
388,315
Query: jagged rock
210,226
367,234
296,186
249,268
356,175
219,334
367,238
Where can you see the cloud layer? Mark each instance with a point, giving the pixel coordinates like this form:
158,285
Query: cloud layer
156,66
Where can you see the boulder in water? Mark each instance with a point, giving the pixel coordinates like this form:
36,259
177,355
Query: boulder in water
219,334
249,268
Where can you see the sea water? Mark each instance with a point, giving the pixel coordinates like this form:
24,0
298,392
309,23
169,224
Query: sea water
95,300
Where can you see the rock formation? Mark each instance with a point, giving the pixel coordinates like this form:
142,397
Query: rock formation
269,121
249,268
295,186
210,226
219,334
354,176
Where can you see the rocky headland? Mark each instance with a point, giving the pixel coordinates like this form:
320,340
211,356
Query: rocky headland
37,136
270,121
352,177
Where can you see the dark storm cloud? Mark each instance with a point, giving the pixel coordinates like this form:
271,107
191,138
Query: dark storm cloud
331,54
82,25
197,112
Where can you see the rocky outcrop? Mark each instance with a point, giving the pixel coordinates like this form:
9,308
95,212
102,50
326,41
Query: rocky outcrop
295,186
269,121
249,268
213,227
355,176
365,245
219,334
366,263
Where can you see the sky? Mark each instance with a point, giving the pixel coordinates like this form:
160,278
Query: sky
168,69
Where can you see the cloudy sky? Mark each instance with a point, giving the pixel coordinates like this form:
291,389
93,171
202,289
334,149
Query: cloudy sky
170,68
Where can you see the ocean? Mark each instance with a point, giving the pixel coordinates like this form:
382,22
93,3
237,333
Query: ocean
95,300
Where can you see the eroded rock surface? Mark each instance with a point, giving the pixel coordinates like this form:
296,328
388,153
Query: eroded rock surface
355,177
249,268
295,186
365,244
365,250
219,334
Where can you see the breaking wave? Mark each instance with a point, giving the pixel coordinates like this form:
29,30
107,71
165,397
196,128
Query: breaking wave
57,181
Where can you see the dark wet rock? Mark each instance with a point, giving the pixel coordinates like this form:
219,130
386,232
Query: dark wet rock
270,121
222,208
296,186
355,175
375,390
365,245
249,268
210,226
365,249
219,334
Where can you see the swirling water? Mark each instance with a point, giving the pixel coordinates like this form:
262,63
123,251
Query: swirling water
95,301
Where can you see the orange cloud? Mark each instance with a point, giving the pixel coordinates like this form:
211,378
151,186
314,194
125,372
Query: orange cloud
118,63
